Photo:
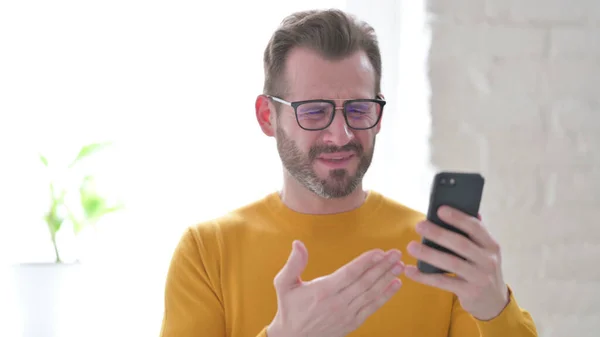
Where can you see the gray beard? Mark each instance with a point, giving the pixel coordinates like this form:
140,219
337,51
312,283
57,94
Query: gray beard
339,183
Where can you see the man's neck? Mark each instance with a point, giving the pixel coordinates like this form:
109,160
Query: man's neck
298,198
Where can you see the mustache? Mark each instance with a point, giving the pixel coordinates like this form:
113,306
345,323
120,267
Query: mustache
315,151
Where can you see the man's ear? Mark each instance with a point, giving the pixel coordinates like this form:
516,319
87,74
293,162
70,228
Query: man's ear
265,114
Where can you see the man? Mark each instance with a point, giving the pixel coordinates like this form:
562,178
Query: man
323,105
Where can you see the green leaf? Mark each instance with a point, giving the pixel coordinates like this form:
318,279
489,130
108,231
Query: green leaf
44,160
88,150
54,220
59,199
90,200
107,210
77,224
93,206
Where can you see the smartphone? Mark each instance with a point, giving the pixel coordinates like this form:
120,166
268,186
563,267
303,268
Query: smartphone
460,190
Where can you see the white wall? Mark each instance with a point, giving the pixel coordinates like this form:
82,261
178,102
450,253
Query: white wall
515,94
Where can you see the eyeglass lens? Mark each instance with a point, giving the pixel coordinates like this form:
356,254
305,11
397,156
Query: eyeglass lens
317,115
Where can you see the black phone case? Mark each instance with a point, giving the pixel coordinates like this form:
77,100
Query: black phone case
462,191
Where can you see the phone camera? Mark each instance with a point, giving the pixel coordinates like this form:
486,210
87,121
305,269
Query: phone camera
448,181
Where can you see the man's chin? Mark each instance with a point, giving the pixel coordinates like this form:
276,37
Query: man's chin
333,174
333,189
338,177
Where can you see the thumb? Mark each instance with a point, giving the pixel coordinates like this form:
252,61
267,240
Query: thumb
289,276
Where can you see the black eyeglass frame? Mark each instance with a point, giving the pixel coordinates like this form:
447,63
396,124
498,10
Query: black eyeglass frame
296,104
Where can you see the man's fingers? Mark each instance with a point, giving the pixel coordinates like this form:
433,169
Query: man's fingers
368,295
468,224
352,271
453,241
370,284
445,282
369,308
443,260
289,276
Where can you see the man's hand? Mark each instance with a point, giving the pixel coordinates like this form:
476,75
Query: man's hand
478,284
336,304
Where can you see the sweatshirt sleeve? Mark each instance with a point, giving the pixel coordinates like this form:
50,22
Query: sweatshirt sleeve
193,304
512,321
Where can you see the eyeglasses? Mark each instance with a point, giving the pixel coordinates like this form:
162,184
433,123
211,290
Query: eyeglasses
318,114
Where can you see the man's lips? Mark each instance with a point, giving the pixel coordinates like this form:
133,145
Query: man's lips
336,156
336,161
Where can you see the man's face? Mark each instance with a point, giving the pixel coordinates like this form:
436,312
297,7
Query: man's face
332,162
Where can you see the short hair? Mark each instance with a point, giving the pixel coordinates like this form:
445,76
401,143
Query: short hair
332,33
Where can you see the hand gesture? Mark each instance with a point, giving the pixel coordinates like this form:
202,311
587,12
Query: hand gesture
479,284
336,304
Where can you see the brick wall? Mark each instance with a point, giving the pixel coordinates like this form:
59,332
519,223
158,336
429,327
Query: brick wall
516,94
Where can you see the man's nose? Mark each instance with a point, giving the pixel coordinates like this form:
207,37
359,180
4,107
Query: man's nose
338,133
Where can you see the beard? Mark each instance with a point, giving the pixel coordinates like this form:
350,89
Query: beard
339,183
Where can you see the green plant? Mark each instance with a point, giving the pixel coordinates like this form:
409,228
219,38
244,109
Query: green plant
89,207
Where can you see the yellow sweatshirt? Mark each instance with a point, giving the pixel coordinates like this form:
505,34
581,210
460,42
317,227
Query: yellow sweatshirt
220,281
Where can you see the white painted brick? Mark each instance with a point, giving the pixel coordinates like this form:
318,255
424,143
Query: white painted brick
459,10
569,266
517,77
562,292
553,11
571,115
502,194
465,154
555,226
571,188
579,153
470,40
585,324
572,296
498,9
460,82
575,42
477,133
573,137
516,96
558,314
571,78
506,112
509,41
478,128
450,76
498,113
521,264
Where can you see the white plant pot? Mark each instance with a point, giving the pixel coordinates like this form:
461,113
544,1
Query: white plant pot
51,298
